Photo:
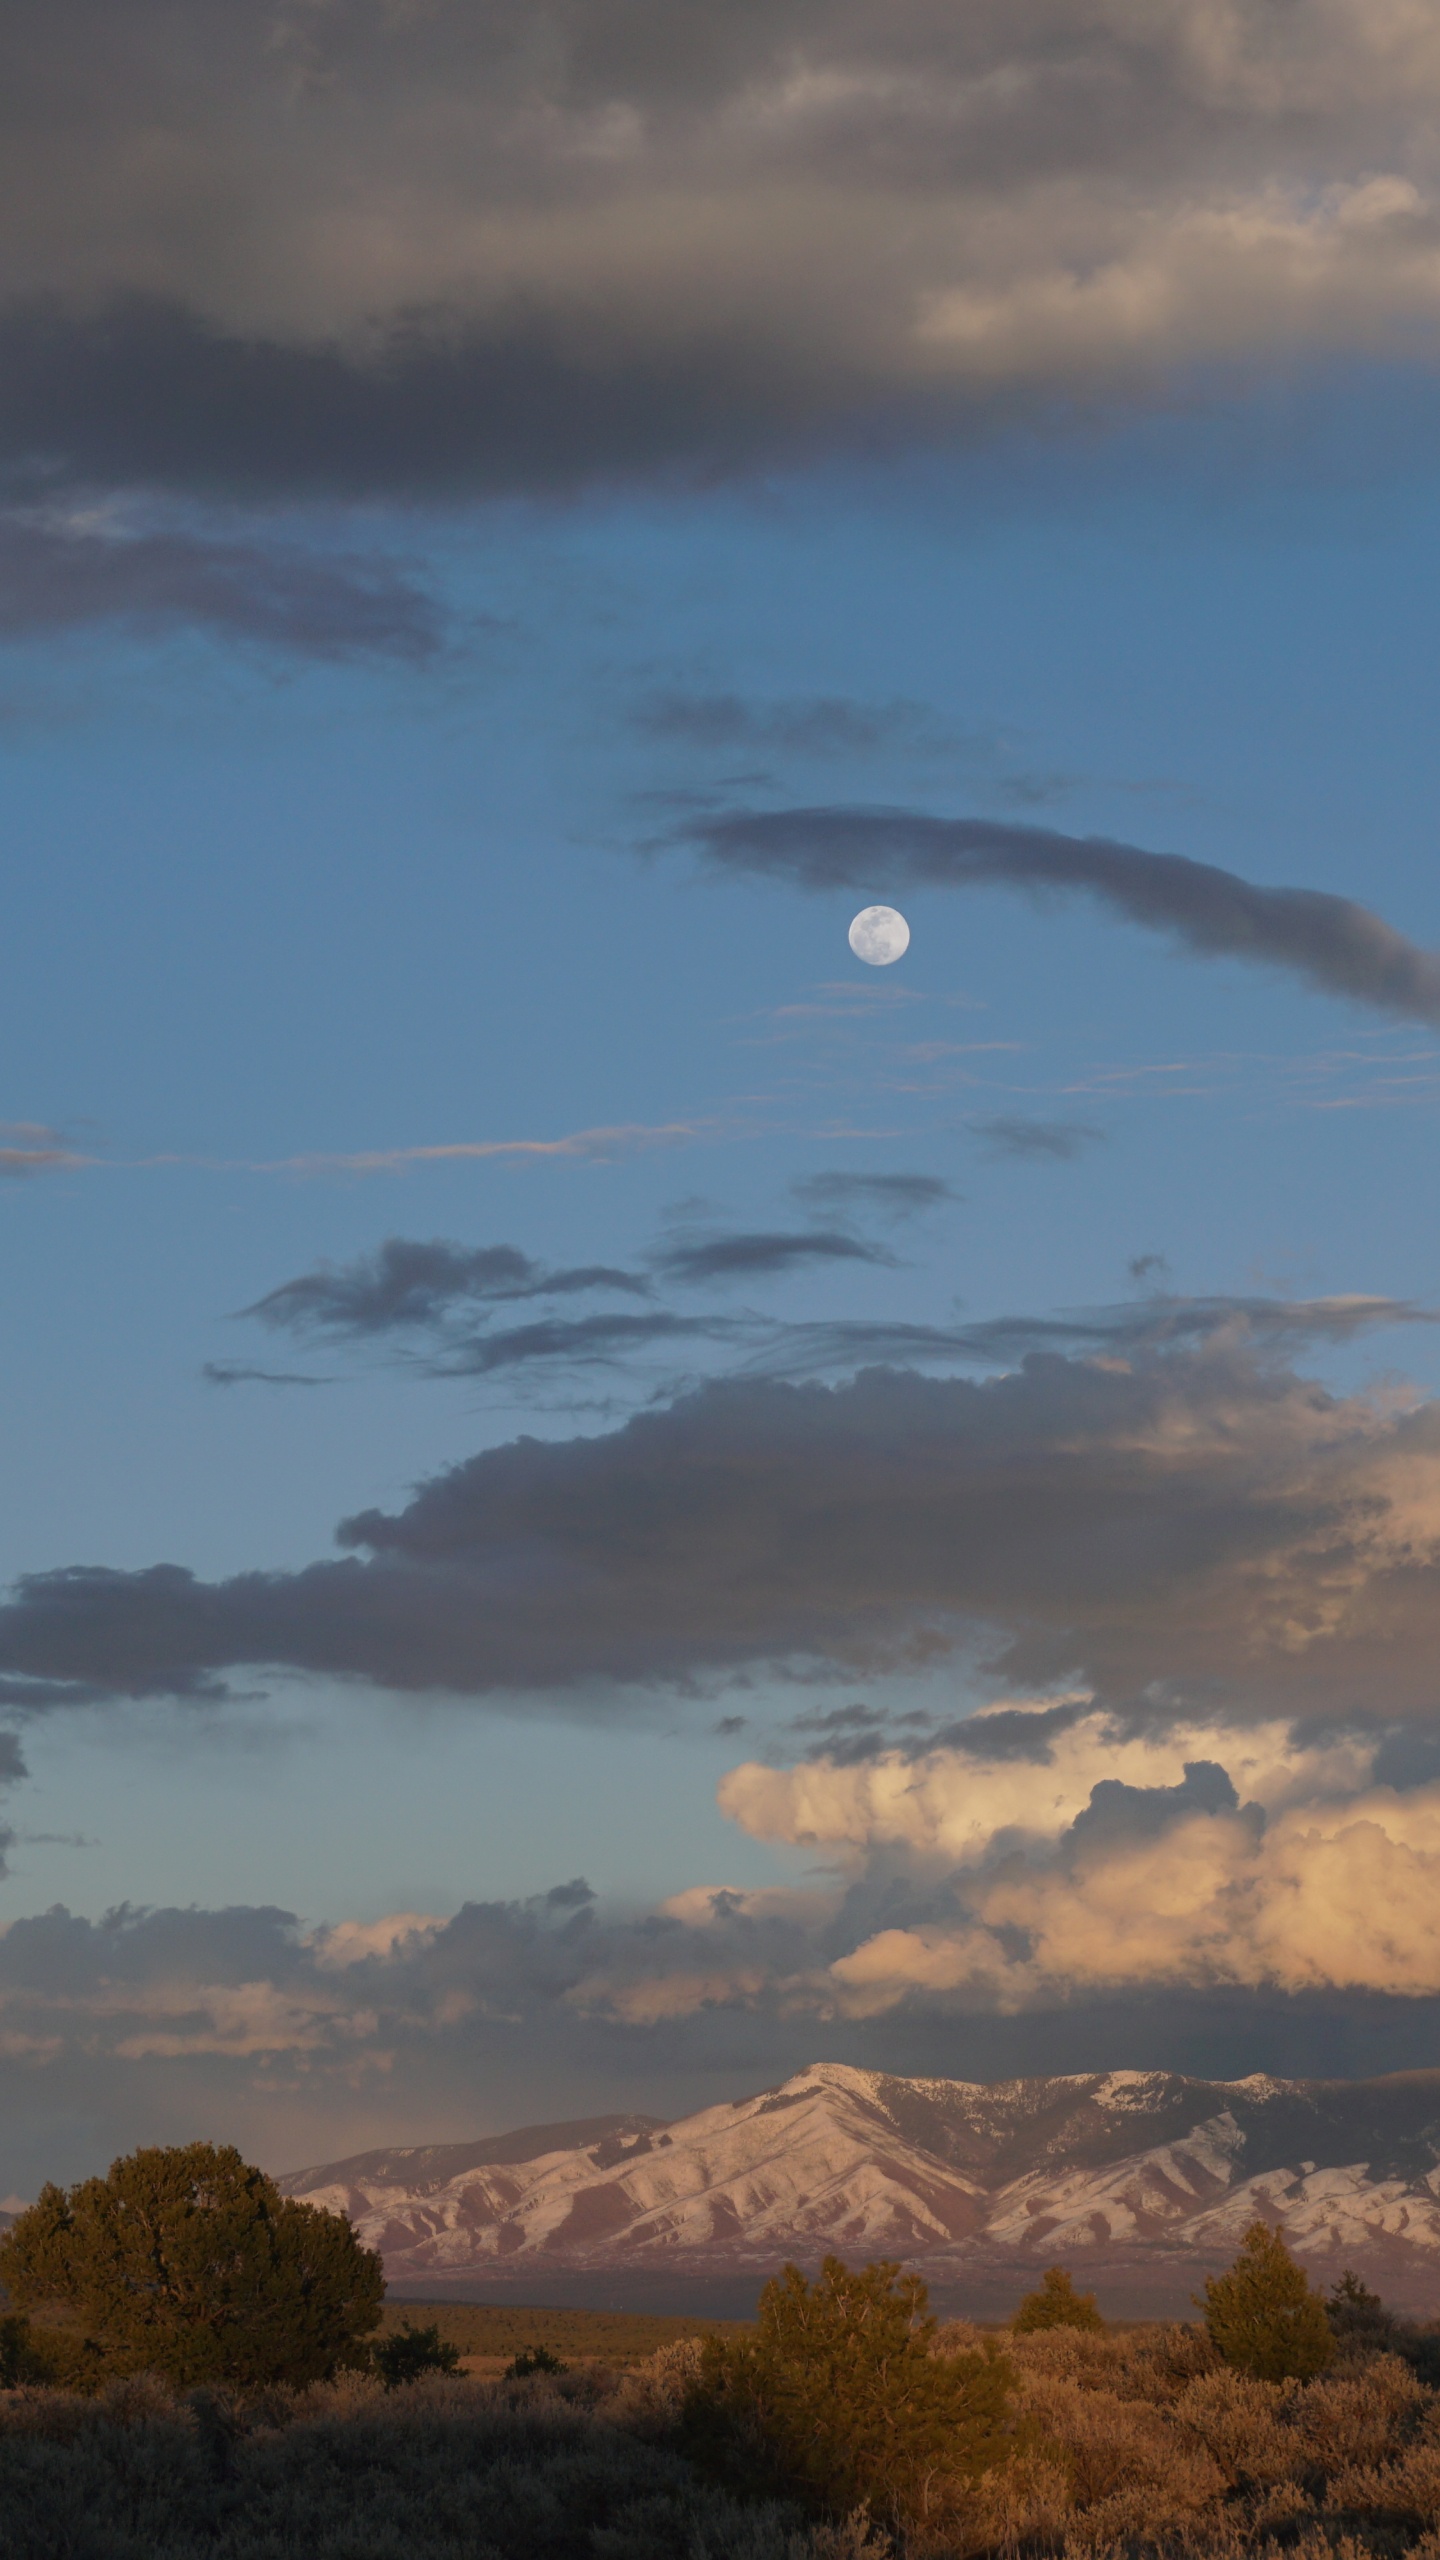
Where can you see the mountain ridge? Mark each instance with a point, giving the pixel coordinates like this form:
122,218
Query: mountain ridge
1143,2180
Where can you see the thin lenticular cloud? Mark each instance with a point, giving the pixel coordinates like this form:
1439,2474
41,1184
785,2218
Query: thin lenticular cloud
1330,942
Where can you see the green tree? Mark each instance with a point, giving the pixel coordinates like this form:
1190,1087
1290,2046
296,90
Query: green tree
1056,2305
408,2352
1358,2318
189,2263
1264,2315
838,2397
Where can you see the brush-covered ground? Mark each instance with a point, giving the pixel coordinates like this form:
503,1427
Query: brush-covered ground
490,2335
1134,2443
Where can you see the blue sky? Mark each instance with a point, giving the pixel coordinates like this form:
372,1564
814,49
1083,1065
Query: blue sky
390,923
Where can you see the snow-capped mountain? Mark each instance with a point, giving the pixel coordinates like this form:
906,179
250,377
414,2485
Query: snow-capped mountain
1138,2179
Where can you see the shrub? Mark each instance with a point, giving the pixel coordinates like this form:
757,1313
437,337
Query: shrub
1264,2316
837,2397
189,2263
1056,2305
409,2352
532,2360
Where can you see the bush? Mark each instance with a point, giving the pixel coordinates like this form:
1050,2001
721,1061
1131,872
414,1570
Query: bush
1056,2305
1264,2316
532,2360
838,2399
188,2263
409,2352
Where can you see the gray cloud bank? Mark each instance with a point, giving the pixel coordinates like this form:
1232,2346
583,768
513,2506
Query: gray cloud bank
505,248
1168,1512
1329,942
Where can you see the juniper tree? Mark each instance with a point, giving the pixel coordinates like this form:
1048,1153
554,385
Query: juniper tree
839,2398
189,2263
1056,2305
1264,2316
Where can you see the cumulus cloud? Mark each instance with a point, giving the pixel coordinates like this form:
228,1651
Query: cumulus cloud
1327,941
1212,1897
443,248
1180,1517
1332,1897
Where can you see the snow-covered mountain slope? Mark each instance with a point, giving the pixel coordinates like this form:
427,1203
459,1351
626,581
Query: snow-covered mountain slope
1109,2171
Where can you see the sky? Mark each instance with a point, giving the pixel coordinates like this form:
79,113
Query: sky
604,1501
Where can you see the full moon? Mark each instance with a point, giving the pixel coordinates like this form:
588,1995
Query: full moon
879,935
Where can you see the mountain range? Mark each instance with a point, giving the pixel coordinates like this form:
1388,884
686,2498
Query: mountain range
1142,2181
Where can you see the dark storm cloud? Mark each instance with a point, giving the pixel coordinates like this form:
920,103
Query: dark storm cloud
409,1285
1059,1140
1327,941
57,576
886,1195
765,1255
149,394
496,248
1183,1517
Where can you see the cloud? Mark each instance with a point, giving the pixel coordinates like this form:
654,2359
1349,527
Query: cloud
415,250
1025,1774
233,1373
1325,940
1329,942
579,1146
406,1285
561,1342
59,574
885,1195
1209,1900
1180,1517
765,1255
818,725
1059,1140
28,1148
1329,1897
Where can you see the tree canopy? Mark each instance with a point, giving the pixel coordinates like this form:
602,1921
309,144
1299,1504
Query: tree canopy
1264,2316
187,2262
841,2392
1056,2305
